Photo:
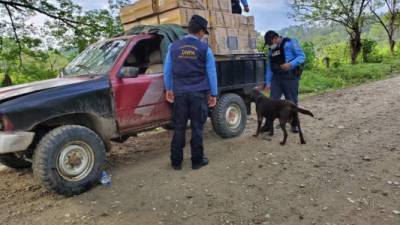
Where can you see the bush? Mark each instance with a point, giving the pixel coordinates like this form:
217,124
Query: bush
337,53
370,52
318,80
309,50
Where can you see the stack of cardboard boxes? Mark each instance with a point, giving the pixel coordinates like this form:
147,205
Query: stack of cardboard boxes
229,33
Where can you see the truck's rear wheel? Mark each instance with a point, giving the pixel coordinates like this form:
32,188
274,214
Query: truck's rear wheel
229,117
69,160
13,161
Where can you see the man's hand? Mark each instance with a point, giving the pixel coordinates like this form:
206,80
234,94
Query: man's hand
212,101
286,66
247,9
169,96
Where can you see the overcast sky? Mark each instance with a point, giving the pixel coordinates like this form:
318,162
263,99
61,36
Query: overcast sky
269,14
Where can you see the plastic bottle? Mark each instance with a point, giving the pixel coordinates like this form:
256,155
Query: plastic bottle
105,179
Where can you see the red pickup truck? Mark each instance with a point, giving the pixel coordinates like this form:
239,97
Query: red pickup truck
63,127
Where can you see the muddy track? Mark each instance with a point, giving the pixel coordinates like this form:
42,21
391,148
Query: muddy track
348,173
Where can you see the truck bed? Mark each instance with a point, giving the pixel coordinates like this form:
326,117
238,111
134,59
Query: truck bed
241,72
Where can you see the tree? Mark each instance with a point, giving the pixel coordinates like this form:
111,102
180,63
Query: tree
389,20
351,14
91,26
30,51
15,13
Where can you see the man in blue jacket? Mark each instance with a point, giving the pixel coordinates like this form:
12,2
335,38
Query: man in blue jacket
284,69
191,85
237,9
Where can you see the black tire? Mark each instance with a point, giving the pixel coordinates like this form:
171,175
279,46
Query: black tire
219,120
15,162
50,169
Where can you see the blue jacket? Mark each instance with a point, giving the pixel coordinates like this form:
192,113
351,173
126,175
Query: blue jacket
210,69
294,55
244,3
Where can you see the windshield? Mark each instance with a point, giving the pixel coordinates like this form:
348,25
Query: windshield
97,59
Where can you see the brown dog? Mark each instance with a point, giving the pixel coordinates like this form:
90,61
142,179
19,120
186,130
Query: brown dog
285,111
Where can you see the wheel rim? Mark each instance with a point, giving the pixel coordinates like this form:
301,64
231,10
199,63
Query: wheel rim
233,116
75,161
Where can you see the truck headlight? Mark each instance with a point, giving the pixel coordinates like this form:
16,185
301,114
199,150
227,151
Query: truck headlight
5,124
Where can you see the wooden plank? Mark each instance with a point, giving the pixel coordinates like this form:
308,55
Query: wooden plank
220,5
181,16
136,11
166,5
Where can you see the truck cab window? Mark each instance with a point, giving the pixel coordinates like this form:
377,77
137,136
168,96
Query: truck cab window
145,58
97,59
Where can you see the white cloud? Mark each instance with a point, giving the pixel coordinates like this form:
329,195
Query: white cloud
271,14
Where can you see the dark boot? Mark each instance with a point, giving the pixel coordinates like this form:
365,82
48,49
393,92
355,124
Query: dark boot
198,165
177,166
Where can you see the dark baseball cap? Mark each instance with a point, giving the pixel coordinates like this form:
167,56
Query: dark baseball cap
200,21
269,36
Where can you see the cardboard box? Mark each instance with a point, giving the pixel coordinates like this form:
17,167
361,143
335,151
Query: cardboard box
243,41
244,22
182,16
251,22
224,41
153,20
228,41
165,5
220,5
129,26
253,40
240,21
247,41
138,10
221,19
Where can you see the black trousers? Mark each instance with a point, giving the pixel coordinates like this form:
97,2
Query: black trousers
288,88
236,9
193,106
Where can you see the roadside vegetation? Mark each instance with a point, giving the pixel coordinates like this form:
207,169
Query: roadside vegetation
334,70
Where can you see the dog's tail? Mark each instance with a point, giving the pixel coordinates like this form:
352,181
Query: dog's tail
305,112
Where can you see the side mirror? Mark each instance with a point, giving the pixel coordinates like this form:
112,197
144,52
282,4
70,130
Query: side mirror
61,72
128,72
121,73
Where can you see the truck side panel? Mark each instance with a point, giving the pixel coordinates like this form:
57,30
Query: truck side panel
241,73
90,97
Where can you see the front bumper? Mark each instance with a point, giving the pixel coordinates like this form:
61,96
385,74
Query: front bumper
15,141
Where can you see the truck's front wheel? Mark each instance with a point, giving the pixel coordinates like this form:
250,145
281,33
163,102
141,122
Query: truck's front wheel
69,160
229,117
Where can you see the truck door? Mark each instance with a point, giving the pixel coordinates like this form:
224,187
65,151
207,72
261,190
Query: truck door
139,88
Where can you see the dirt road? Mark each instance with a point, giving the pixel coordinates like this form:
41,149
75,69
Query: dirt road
348,173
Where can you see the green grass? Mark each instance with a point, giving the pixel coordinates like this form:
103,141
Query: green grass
320,80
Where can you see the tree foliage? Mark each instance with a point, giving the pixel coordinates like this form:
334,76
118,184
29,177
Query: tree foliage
390,20
30,50
309,51
351,14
